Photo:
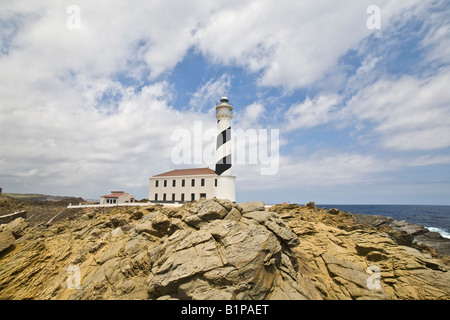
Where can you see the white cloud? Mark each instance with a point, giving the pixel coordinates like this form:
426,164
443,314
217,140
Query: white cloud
408,113
426,139
364,75
207,94
333,169
68,119
323,168
428,160
250,116
311,113
437,39
87,149
293,44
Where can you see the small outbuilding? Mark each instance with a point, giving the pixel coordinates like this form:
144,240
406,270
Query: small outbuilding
117,197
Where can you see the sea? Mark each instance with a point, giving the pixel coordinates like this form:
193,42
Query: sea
433,217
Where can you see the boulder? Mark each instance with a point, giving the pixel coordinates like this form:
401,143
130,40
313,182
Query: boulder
234,214
198,289
113,250
205,211
274,223
136,215
136,245
333,211
251,206
146,227
17,227
406,233
117,232
160,222
115,222
6,240
223,260
211,210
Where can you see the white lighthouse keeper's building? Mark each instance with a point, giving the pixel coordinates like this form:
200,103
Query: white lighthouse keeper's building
193,184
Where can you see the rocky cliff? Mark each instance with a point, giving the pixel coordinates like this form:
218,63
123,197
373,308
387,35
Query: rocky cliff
214,249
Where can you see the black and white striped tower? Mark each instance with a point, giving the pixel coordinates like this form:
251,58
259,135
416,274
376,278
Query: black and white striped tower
226,185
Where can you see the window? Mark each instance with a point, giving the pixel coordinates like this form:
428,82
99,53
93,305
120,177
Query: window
164,197
165,183
156,197
156,183
183,183
174,183
193,183
173,196
182,197
203,182
192,196
215,182
203,195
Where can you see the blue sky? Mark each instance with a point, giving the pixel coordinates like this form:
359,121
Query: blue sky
89,98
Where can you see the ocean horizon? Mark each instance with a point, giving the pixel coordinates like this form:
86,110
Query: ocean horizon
433,217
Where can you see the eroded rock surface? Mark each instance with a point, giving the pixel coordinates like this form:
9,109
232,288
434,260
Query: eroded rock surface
215,249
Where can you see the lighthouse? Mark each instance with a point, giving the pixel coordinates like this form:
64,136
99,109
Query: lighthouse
226,185
181,185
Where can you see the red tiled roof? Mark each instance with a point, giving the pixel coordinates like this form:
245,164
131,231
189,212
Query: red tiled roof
186,172
114,195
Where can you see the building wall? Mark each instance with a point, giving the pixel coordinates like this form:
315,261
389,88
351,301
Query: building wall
209,188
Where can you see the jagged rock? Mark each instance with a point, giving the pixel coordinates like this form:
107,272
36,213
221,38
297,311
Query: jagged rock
311,205
406,233
251,206
333,211
135,245
146,227
195,221
227,204
212,210
226,255
345,269
96,232
115,222
113,250
17,227
234,214
215,249
6,240
376,256
198,289
117,232
160,222
136,215
275,224
206,210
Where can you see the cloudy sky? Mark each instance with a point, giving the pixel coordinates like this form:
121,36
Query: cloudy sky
91,93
